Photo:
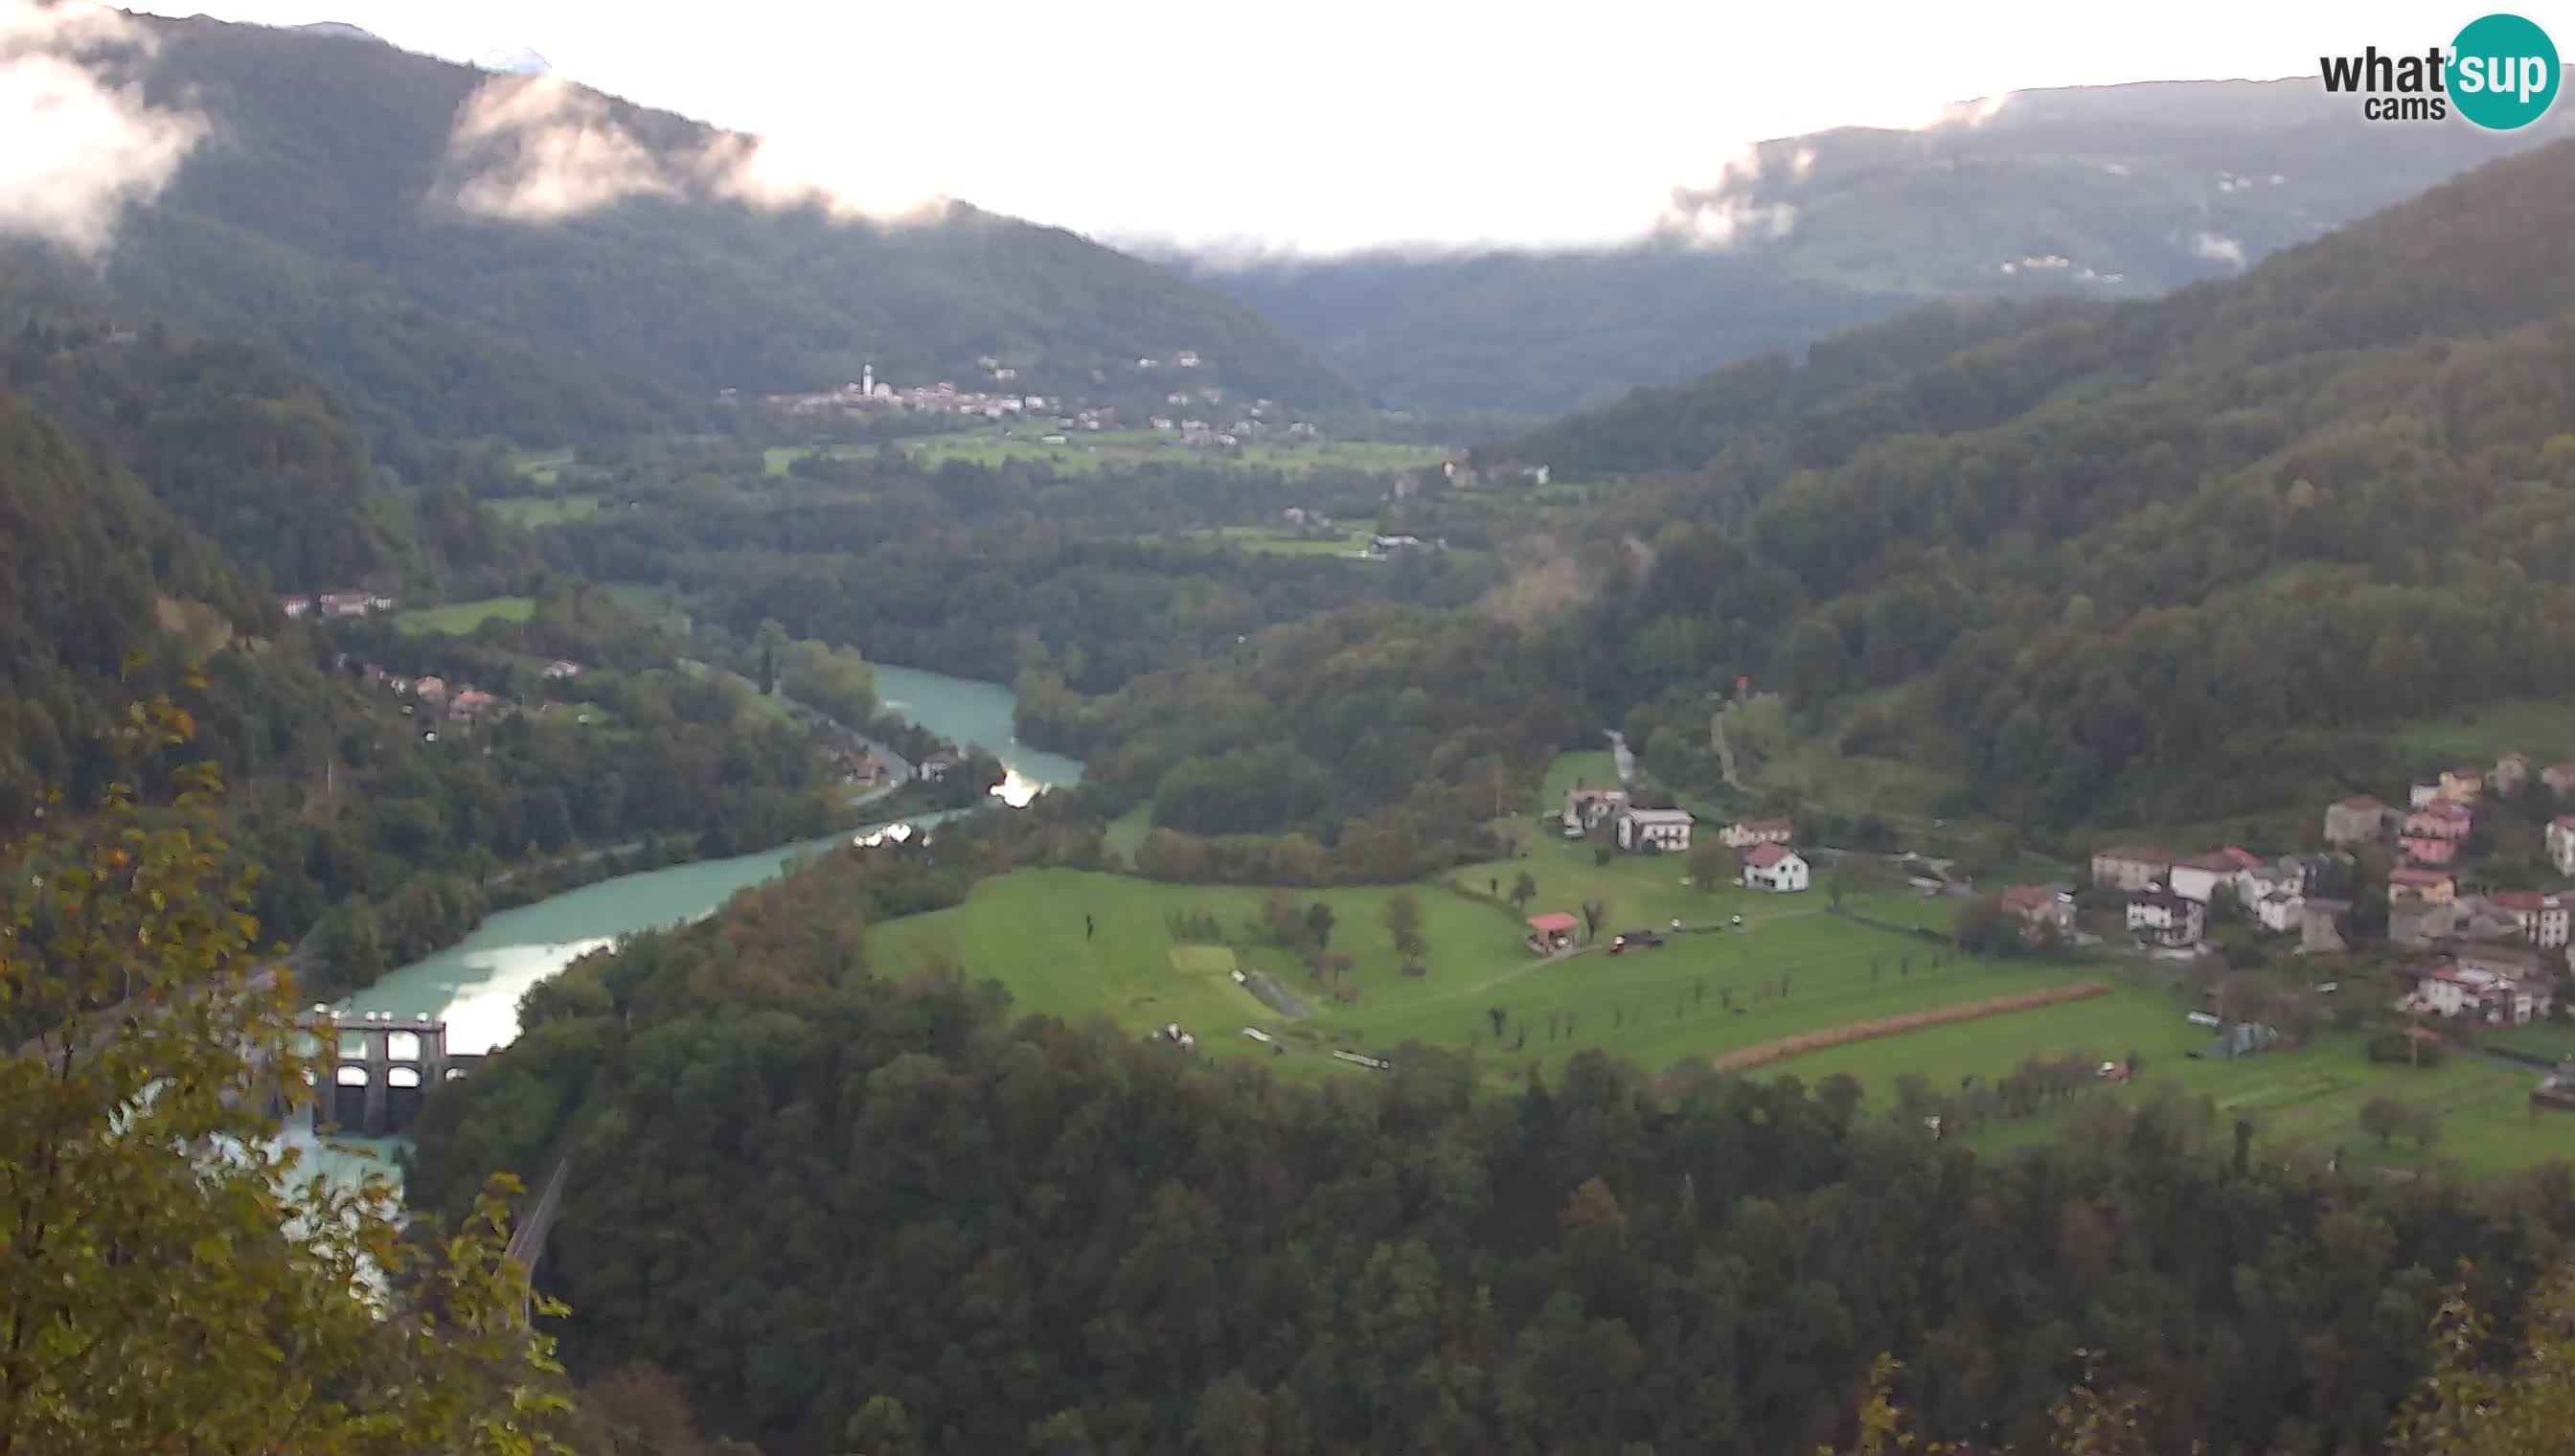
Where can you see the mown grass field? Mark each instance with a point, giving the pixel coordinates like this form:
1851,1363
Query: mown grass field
2540,1039
457,619
1090,451
778,459
2544,729
533,511
1698,994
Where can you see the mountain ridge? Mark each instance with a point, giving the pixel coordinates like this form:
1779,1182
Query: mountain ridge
2109,192
313,220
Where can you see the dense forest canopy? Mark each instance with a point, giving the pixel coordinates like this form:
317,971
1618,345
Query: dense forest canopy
2088,549
2105,192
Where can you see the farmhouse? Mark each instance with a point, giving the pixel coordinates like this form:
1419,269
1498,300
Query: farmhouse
1745,833
2359,819
1549,933
2561,844
2164,919
1586,808
2558,777
431,690
2197,878
2040,908
295,606
2128,866
1644,830
471,704
1775,867
561,670
2484,995
2463,786
2427,886
2542,914
2280,911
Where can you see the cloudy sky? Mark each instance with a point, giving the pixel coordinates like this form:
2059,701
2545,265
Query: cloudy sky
1336,124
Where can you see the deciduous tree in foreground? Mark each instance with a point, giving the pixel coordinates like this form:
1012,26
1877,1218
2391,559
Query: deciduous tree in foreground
171,1279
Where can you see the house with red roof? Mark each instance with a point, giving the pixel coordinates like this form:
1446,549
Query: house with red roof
2040,908
2198,878
2544,914
1776,868
1549,933
2561,844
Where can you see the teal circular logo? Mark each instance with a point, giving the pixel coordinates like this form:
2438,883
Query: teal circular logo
2503,72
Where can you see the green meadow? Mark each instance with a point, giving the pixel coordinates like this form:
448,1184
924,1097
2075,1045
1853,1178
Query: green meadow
458,619
1088,451
534,511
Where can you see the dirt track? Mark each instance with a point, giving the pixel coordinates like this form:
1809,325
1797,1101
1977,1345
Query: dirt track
1764,1053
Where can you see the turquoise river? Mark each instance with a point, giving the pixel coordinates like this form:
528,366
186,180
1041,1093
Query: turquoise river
474,985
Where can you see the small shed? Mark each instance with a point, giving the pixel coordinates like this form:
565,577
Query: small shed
1549,933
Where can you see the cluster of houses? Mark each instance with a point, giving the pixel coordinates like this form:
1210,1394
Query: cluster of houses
2491,955
335,604
2169,896
1765,848
868,394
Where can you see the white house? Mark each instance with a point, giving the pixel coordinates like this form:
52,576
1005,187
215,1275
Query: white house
1775,867
2165,918
2197,878
2281,911
1667,830
2543,914
2561,842
2465,990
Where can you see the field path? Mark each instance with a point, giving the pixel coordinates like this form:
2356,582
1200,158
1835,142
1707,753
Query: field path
1764,1053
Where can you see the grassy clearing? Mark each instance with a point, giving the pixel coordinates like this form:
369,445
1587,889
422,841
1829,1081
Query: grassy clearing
534,511
1697,996
2553,1041
1772,753
1268,542
459,618
2543,729
777,460
1088,452
1596,769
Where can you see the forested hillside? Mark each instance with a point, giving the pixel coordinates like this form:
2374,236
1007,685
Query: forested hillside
87,563
2127,568
2102,193
403,226
847,1214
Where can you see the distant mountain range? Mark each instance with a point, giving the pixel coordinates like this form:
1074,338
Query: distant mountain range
470,254
2104,192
